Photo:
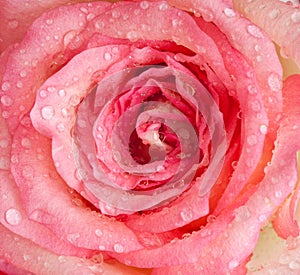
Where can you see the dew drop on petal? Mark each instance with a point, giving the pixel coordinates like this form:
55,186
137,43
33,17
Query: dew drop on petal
233,264
229,12
144,5
296,17
252,140
28,172
43,93
26,143
274,14
163,6
186,215
119,248
98,232
254,31
263,129
6,100
62,92
5,86
274,82
13,24
4,163
47,112
13,216
107,56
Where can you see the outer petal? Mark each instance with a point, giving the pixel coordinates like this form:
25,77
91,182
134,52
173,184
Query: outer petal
17,16
279,20
285,223
41,53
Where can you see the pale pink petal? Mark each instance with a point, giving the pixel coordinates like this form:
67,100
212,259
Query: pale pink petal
279,20
41,53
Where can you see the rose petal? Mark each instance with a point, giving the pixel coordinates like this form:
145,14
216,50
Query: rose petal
279,20
51,208
40,54
285,223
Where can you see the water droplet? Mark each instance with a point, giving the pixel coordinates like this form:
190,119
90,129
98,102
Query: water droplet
62,92
278,194
294,265
47,112
13,216
23,73
49,21
84,10
73,237
132,36
107,56
26,257
4,143
26,143
4,163
163,6
60,127
13,24
102,247
115,14
74,100
242,213
211,218
186,214
98,232
19,84
274,14
144,5
229,12
252,140
284,259
5,86
43,93
274,82
255,105
296,17
233,264
68,37
28,172
254,31
263,129
252,89
62,259
234,164
119,248
6,100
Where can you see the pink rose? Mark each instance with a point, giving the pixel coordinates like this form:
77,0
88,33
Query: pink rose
146,136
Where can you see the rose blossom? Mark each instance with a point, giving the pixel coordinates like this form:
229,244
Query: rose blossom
147,136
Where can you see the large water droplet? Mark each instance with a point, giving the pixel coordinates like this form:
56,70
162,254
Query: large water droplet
13,216
47,112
